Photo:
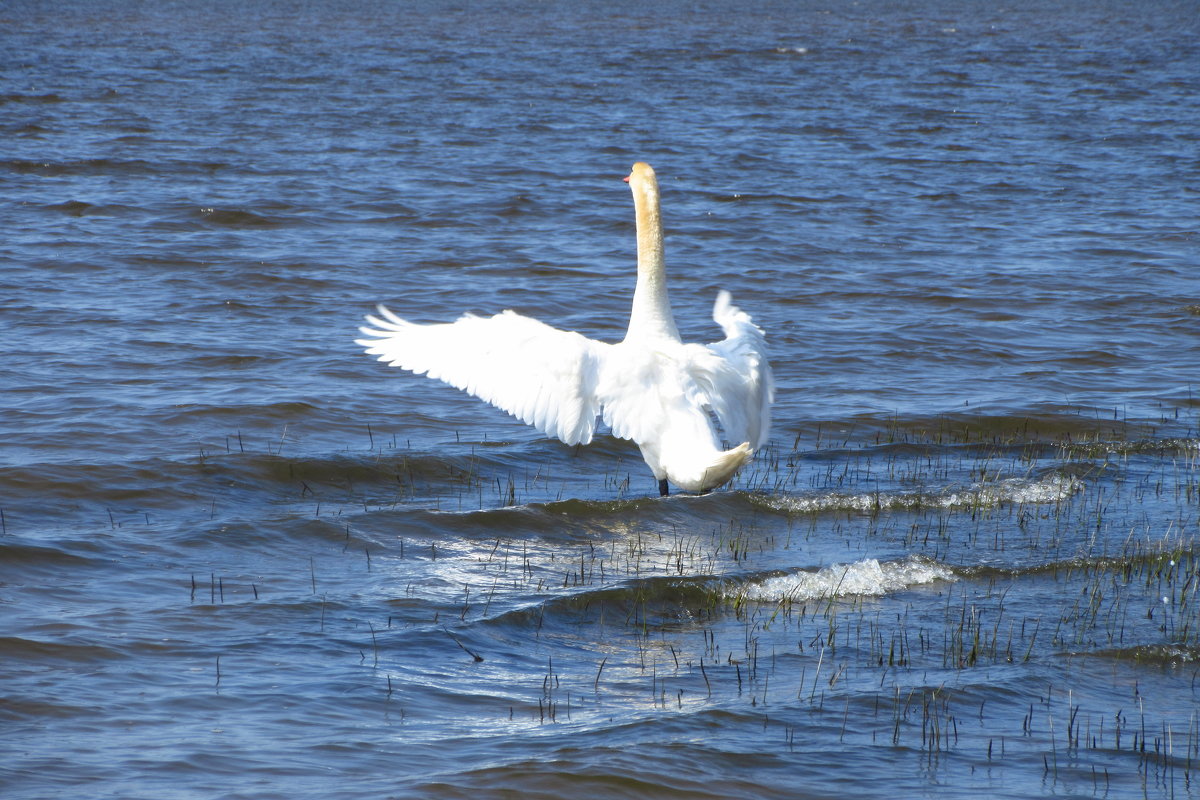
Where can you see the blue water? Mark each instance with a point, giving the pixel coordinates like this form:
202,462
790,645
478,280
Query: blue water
240,558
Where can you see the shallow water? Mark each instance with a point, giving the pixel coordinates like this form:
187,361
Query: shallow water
239,558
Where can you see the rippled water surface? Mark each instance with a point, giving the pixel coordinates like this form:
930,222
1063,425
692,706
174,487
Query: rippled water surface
239,558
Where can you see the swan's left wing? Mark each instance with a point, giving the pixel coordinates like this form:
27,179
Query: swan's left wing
735,376
541,375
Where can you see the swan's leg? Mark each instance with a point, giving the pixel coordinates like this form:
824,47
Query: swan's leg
662,488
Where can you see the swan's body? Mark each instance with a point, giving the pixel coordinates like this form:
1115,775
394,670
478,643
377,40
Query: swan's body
651,387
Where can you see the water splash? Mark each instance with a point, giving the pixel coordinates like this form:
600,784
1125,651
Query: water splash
869,577
1013,491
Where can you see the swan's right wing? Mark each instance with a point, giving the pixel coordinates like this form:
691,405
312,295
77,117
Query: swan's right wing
541,375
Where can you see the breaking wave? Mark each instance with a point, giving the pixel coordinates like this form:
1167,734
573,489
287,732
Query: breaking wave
1052,488
869,577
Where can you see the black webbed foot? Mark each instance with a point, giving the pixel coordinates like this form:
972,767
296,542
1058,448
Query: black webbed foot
662,488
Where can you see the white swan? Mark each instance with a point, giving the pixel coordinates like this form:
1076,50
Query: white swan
651,387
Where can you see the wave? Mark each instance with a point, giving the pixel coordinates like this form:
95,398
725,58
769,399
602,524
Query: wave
1046,426
1051,488
869,577
237,469
686,599
24,557
693,596
79,208
36,99
1140,447
55,482
243,218
567,509
100,166
1163,655
641,598
60,651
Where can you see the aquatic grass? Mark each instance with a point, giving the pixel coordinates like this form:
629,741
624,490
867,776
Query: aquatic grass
1069,558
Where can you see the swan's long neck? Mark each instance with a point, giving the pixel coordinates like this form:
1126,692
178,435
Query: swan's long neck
651,316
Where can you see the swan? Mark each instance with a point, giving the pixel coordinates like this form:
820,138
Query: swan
650,387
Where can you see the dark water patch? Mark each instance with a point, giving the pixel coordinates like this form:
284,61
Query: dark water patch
33,99
247,607
154,482
62,651
79,208
220,361
381,478
646,601
302,277
480,524
26,129
17,710
1050,424
1148,567
606,773
221,526
17,556
583,509
82,168
278,411
241,218
1165,656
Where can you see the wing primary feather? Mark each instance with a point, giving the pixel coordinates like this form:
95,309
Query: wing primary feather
539,374
392,318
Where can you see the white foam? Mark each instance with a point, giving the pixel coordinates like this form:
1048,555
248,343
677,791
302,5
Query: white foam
868,577
1049,489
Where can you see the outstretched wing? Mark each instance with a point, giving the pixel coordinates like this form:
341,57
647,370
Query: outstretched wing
541,375
735,376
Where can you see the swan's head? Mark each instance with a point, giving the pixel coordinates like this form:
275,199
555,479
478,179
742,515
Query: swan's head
642,179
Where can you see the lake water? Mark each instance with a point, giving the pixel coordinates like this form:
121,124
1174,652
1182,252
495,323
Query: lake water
240,558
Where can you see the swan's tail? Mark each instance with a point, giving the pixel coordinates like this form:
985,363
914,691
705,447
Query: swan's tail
725,466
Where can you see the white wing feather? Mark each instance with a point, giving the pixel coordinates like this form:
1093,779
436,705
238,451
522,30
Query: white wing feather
643,390
735,376
541,375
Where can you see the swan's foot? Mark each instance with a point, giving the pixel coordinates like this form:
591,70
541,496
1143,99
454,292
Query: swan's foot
662,488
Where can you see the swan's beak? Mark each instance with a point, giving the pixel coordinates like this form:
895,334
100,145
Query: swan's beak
627,177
